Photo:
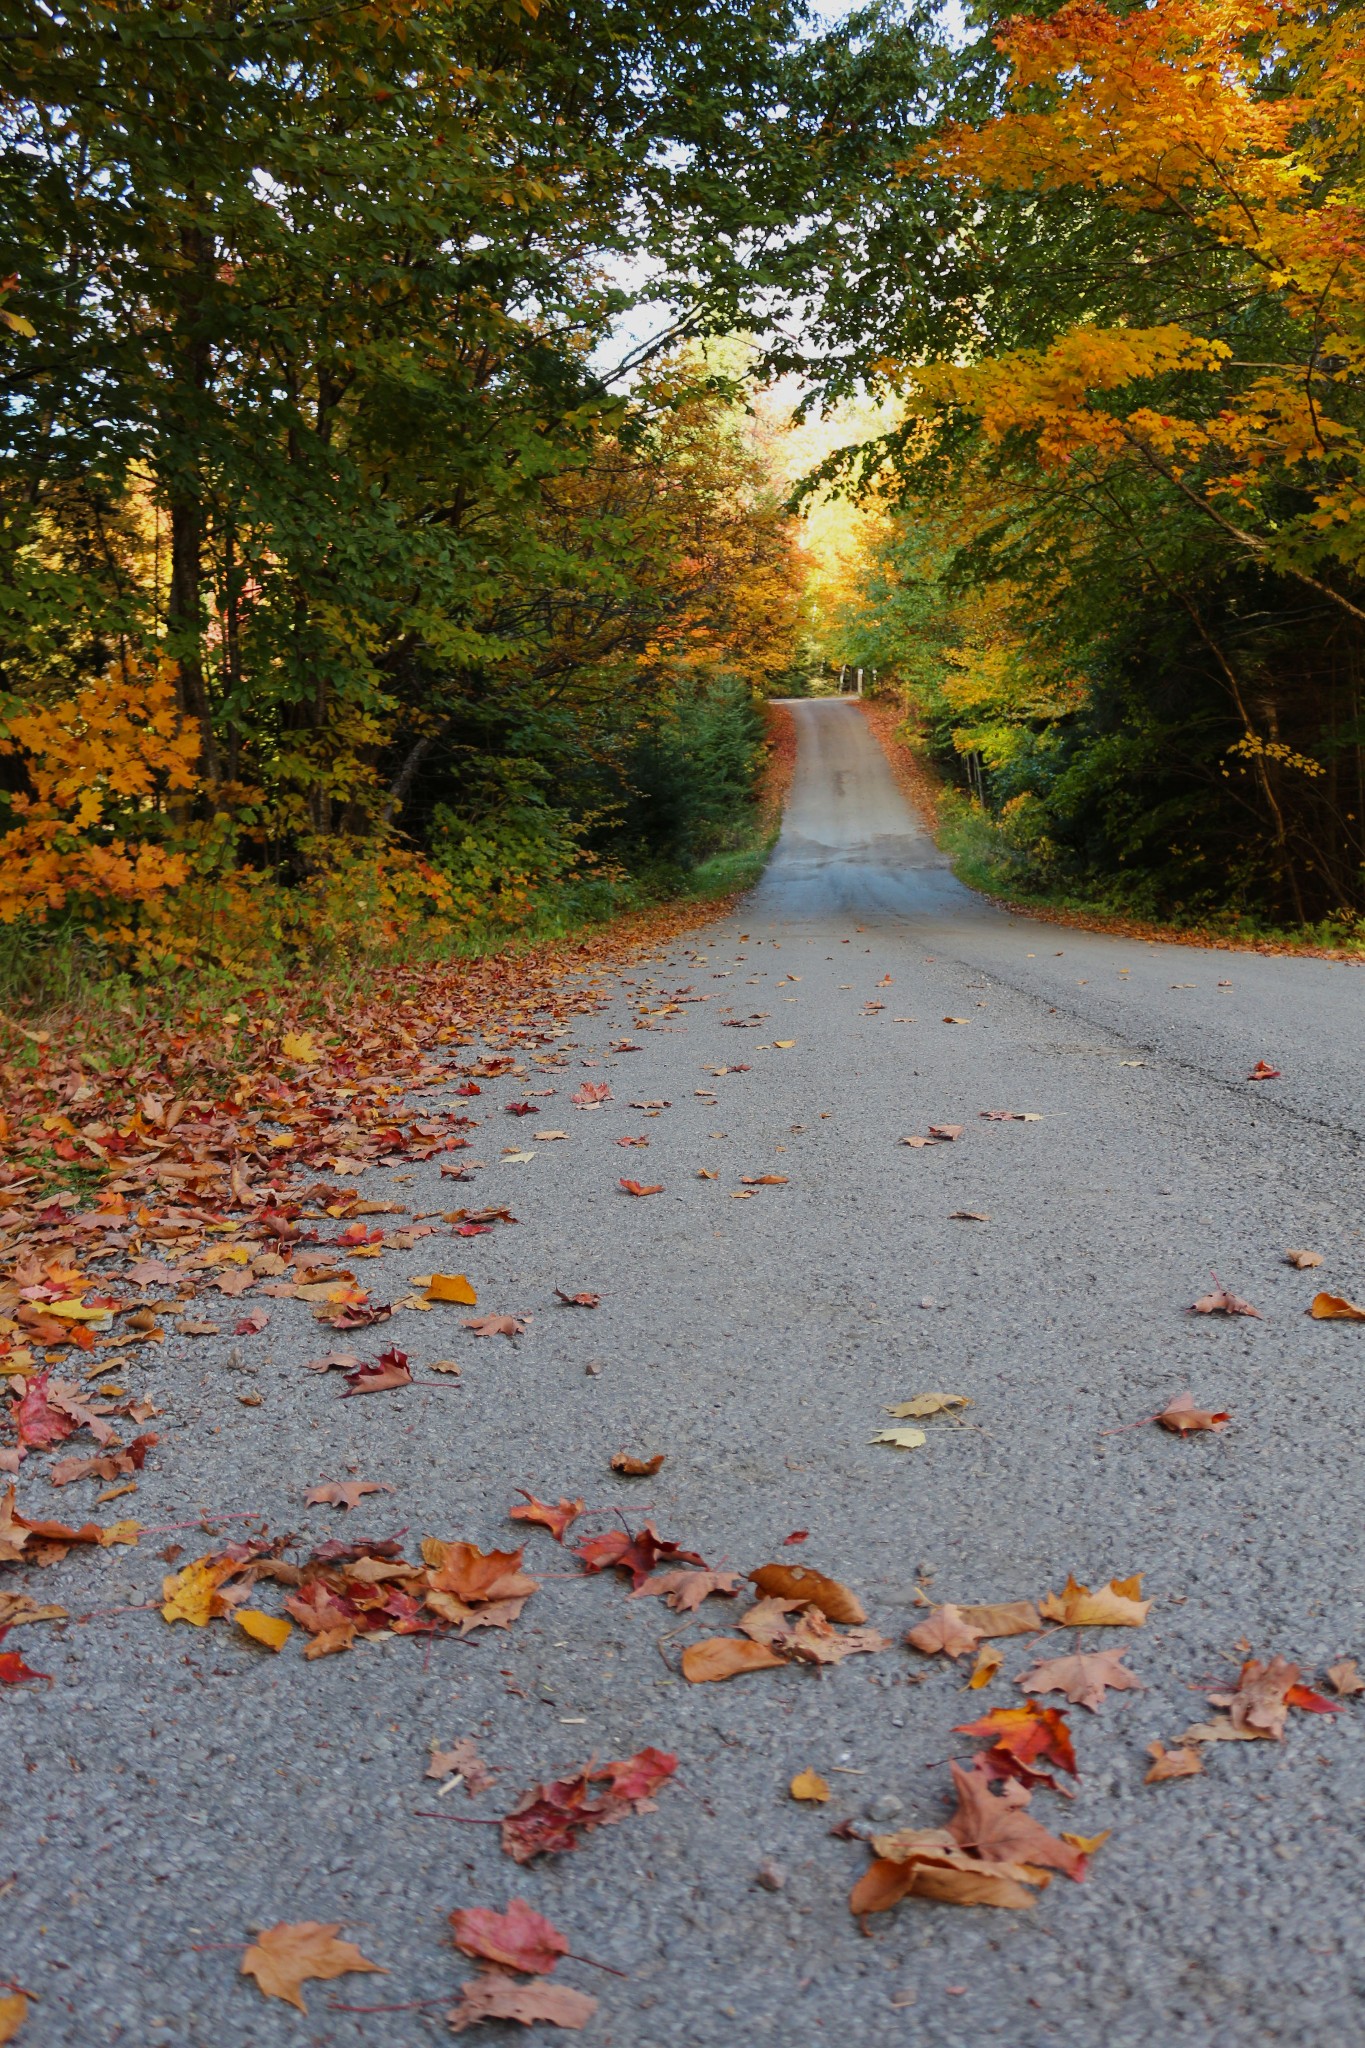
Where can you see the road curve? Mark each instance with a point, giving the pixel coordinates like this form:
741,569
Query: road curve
183,1790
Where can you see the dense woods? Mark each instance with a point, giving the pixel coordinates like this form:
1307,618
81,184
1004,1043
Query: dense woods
1123,504
355,580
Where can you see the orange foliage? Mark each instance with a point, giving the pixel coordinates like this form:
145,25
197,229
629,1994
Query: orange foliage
1165,109
99,764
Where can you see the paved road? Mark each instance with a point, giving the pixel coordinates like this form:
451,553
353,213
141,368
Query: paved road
172,1789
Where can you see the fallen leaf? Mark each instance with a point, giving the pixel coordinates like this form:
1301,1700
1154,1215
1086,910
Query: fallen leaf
718,1657
300,1045
461,1760
270,1629
930,1404
189,1594
555,1519
252,1323
111,1465
498,1326
1263,1071
292,1953
1012,1618
339,1361
634,1187
1087,1844
1260,1705
16,1609
1012,1116
1183,1762
988,1662
13,2013
684,1591
1083,1677
443,1365
1181,1416
518,1939
954,1020
1001,1831
493,1995
799,1630
927,1863
342,1493
1303,1259
706,1173
1336,1308
763,1180
637,1468
451,1287
549,1137
390,1370
809,1785
798,1582
639,1554
1221,1303
1022,1740
1344,1678
550,1818
797,1536
14,1671
783,1044
900,1439
946,1134
592,1095
1220,1729
1116,1605
578,1300
967,1216
944,1631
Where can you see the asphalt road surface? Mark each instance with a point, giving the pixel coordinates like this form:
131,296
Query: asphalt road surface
174,1789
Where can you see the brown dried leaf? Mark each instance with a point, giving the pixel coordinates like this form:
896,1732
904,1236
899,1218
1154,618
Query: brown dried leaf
1344,1678
292,1953
1327,1308
342,1493
1183,1762
1222,1303
493,1995
1001,1830
1260,1705
1084,1677
718,1657
497,1326
798,1582
945,1631
1303,1259
1010,1618
555,1519
636,1468
685,1591
1181,1416
461,1760
1116,1605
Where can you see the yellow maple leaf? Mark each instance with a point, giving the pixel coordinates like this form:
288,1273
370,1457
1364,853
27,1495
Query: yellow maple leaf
270,1629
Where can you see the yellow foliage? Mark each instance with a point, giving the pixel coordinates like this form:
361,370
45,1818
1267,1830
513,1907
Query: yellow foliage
94,761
